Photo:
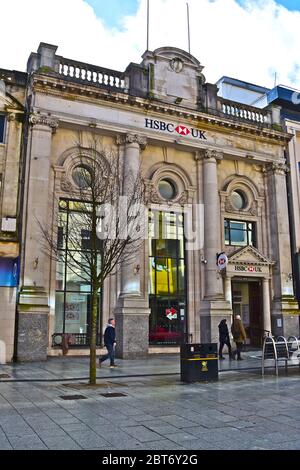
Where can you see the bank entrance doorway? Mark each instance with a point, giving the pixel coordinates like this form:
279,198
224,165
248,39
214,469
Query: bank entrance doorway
247,302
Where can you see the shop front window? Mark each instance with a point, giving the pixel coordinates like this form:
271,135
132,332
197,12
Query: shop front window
73,287
167,292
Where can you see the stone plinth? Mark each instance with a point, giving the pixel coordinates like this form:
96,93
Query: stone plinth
132,329
211,314
33,317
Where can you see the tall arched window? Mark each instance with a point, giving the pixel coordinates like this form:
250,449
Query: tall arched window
73,288
167,286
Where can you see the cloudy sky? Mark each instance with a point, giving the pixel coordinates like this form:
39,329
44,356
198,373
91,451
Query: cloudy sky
247,39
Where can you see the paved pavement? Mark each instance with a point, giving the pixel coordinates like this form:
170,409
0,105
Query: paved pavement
154,412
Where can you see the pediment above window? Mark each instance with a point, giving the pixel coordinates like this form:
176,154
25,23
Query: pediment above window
249,254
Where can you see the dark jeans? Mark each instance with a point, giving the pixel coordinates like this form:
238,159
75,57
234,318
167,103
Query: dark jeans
110,354
222,342
238,350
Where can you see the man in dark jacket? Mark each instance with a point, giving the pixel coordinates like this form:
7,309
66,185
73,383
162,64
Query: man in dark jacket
110,343
224,338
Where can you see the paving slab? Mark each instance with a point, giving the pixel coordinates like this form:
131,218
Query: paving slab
240,411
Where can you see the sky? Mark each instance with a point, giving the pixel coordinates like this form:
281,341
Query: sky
252,40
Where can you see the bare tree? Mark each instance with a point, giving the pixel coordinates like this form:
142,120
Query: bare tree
106,227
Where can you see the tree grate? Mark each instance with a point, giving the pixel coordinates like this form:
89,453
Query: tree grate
5,376
73,397
113,395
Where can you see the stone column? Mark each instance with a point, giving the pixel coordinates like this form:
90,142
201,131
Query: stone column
284,305
214,306
266,305
130,271
33,305
132,311
212,229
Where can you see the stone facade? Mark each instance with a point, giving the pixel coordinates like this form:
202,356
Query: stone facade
160,116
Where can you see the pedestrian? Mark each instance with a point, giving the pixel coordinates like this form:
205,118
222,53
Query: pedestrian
109,343
224,338
239,336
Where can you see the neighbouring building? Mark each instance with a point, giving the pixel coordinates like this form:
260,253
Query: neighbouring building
208,161
12,102
288,101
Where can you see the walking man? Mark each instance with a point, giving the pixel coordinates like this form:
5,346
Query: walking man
239,336
109,343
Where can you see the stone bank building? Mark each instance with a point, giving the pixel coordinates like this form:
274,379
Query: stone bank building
217,164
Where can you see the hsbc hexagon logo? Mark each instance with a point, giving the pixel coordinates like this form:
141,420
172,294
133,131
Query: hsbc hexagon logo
182,130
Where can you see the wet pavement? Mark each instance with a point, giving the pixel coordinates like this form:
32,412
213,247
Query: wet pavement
73,368
143,405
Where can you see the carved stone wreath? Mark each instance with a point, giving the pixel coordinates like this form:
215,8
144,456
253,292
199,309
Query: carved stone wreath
253,209
155,198
65,184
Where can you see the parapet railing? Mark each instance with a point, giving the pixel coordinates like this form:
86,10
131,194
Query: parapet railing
250,114
92,75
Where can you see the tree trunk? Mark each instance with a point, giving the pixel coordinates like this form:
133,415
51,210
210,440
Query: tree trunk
93,339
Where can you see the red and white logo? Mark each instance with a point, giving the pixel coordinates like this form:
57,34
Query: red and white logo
222,261
251,269
182,130
171,313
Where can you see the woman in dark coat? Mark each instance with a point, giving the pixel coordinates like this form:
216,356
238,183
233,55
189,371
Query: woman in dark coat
224,338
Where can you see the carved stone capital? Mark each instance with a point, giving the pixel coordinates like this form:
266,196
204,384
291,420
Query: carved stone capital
11,117
43,120
132,139
277,168
210,154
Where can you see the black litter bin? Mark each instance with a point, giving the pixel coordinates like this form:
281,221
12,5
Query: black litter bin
199,362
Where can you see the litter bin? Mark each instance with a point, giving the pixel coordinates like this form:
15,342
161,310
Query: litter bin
199,362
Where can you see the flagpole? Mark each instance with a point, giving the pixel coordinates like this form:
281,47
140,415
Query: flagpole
188,25
148,17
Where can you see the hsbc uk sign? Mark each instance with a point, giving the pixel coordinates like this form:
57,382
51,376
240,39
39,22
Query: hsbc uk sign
173,129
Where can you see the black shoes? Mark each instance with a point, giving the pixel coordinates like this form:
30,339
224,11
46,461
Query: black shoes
221,357
240,359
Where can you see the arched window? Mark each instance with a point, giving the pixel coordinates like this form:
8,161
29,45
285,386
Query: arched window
73,278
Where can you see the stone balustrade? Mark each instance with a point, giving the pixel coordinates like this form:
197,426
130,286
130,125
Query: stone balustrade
245,113
92,75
